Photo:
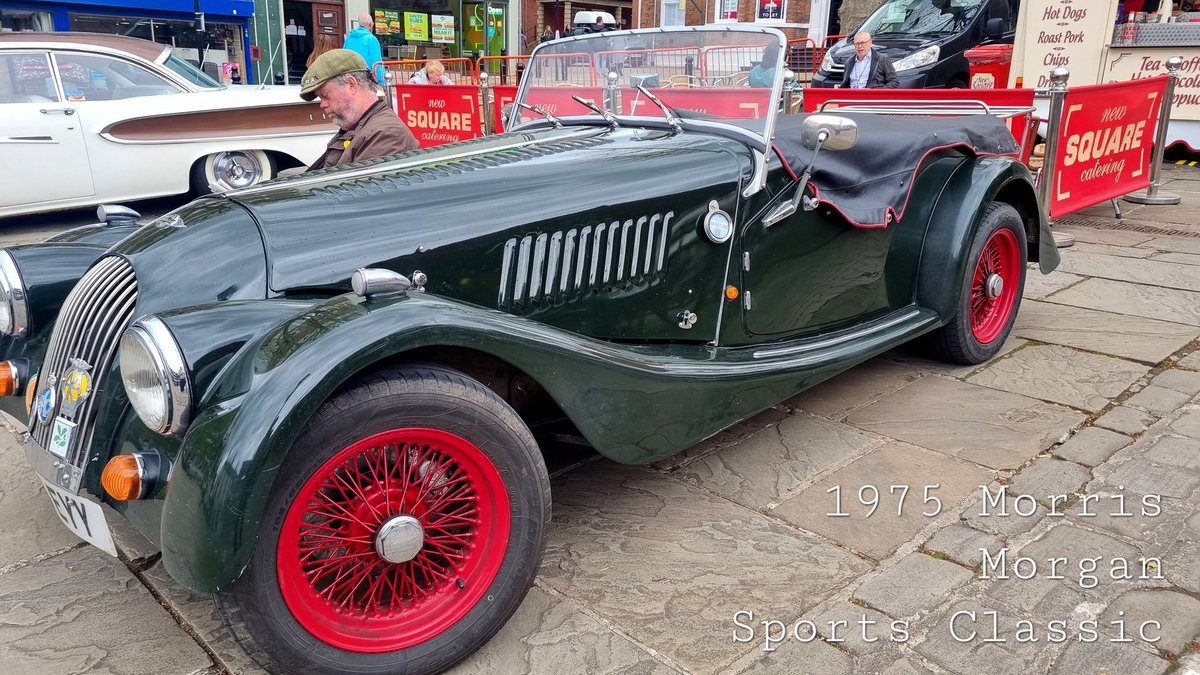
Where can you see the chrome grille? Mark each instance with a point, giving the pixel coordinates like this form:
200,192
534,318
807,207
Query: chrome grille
554,267
89,328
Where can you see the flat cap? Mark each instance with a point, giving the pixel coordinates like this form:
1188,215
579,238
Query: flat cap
328,66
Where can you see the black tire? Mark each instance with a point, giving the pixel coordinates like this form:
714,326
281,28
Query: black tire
231,169
956,83
982,322
406,444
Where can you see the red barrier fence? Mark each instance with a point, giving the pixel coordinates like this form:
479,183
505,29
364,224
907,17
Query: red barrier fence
1105,142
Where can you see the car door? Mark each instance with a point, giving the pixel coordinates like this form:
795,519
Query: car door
41,138
812,271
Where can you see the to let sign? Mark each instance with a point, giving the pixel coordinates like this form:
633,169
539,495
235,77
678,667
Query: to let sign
1105,142
439,114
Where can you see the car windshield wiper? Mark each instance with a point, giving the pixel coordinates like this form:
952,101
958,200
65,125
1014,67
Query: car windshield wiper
608,117
549,118
671,118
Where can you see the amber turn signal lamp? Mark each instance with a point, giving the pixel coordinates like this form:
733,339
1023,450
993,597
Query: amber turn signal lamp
122,478
8,378
30,392
731,293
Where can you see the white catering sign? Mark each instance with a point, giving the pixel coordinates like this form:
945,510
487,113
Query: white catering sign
1069,33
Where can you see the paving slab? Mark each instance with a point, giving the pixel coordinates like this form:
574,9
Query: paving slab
31,527
800,657
1061,375
1112,250
994,428
1178,616
963,544
1185,381
84,612
727,437
1155,523
1004,519
1191,361
1158,400
1092,445
1122,297
1126,420
915,584
1129,337
674,564
551,635
1038,285
1174,244
1176,451
1151,272
1146,478
1187,424
1181,258
1107,657
970,622
1094,235
1181,565
894,521
857,387
777,459
855,629
912,355
1049,477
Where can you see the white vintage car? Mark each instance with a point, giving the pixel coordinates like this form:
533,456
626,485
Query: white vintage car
88,118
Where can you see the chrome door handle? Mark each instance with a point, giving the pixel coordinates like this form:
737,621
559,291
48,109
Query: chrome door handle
65,111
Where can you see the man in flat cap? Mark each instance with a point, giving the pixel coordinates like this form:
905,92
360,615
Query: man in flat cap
369,127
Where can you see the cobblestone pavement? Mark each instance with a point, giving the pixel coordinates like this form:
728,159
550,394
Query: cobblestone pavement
1080,553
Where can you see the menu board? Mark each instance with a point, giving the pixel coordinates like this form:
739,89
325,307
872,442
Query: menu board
1069,33
416,26
442,28
1135,63
387,21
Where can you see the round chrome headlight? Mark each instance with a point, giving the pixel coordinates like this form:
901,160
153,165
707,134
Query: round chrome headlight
155,376
14,309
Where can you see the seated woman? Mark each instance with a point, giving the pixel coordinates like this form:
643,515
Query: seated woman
433,73
763,74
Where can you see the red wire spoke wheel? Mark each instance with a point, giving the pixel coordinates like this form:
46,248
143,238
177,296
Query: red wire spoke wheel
990,295
393,539
404,528
994,288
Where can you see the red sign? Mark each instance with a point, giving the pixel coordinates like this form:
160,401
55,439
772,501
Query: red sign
439,114
558,102
742,102
1105,142
1003,98
501,96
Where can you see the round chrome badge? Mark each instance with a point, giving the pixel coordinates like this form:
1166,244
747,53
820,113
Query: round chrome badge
44,404
717,224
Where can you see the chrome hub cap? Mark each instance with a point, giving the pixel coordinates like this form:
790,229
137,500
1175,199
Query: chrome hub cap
995,286
400,539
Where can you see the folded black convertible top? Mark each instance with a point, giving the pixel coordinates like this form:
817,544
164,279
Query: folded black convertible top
870,182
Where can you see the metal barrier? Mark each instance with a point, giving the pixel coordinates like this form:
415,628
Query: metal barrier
1151,195
502,69
653,67
802,59
459,70
560,70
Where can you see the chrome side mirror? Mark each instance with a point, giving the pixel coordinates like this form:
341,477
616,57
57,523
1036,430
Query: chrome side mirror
829,131
111,214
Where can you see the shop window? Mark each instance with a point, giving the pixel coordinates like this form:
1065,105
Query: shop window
727,11
87,77
25,20
26,78
672,13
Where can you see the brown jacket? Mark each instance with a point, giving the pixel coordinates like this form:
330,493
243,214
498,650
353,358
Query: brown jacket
379,133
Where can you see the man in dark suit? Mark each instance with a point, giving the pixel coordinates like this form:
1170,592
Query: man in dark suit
869,69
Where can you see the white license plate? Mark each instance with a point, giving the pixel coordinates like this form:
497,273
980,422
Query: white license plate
81,516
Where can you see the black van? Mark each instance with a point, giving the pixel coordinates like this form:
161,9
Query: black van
925,39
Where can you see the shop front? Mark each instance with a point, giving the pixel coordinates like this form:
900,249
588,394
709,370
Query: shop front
217,40
427,29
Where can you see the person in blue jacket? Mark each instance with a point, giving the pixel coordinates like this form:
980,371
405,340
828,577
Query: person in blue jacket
363,41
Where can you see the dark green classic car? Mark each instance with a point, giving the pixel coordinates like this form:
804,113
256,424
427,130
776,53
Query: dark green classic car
322,397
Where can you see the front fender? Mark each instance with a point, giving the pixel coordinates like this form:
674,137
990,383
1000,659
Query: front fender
635,404
954,220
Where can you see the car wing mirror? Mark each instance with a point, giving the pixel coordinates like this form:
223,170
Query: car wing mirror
994,28
818,131
112,214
